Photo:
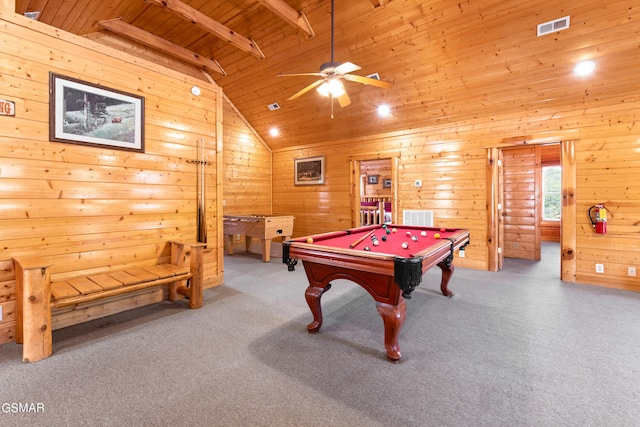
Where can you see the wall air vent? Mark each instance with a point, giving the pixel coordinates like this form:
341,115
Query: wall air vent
274,106
553,26
423,218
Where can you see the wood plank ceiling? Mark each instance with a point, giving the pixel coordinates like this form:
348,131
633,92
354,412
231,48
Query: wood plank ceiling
449,62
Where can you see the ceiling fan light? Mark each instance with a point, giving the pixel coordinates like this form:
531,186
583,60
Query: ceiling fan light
331,87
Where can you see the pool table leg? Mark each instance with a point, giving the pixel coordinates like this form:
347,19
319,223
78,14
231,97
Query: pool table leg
447,272
313,295
393,318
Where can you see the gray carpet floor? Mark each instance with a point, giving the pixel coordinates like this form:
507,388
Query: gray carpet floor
513,348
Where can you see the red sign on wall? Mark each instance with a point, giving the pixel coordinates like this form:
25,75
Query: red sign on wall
7,108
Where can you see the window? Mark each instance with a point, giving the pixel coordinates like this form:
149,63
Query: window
551,197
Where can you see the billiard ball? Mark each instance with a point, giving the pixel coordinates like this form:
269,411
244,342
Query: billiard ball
309,239
442,230
408,234
436,236
367,248
384,226
387,231
384,238
393,230
423,234
414,238
376,243
405,245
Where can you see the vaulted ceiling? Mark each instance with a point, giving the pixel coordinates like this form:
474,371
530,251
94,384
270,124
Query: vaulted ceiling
449,61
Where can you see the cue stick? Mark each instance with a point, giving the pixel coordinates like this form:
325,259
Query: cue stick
357,242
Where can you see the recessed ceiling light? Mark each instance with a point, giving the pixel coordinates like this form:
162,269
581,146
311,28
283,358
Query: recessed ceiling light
584,68
195,90
383,110
274,132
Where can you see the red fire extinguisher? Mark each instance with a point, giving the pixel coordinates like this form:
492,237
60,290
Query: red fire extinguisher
598,218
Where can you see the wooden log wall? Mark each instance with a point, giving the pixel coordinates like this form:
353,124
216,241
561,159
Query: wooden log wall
451,159
381,168
247,169
88,209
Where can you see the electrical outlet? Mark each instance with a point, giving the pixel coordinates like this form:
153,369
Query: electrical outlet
417,183
237,237
599,268
631,271
461,253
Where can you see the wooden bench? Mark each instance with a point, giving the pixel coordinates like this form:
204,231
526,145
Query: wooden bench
37,296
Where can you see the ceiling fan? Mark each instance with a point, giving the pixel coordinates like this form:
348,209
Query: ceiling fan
331,73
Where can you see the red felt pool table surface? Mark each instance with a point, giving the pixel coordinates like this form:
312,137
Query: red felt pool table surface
387,271
395,237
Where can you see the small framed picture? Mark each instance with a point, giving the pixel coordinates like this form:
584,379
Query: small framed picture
386,183
89,114
309,171
372,179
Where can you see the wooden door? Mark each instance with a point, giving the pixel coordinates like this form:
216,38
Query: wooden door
521,195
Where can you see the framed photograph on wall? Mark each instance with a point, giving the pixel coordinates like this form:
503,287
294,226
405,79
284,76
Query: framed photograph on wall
386,183
89,114
309,171
372,179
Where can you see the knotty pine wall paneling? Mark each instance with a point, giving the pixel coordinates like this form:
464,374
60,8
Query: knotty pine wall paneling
453,181
451,159
247,170
88,209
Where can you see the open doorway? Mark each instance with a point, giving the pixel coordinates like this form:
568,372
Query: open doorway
529,192
374,189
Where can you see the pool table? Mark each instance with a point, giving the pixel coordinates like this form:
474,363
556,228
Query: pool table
387,270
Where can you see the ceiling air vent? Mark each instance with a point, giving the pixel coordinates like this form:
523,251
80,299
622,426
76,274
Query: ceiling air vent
274,106
32,15
553,26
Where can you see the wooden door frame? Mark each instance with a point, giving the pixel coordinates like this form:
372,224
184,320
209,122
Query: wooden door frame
355,182
495,231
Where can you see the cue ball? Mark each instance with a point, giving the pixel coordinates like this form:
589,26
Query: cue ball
414,238
393,230
423,234
436,236
367,248
405,245
376,243
309,239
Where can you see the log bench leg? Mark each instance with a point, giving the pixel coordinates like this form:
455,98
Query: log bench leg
33,308
196,264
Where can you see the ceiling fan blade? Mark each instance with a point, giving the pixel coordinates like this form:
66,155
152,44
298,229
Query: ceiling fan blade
344,100
345,68
367,81
305,90
301,74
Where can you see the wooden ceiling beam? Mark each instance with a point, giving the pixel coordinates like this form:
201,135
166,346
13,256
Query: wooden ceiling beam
203,21
120,27
289,15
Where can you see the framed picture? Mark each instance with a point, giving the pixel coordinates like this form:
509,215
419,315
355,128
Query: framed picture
88,114
386,183
372,179
309,171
